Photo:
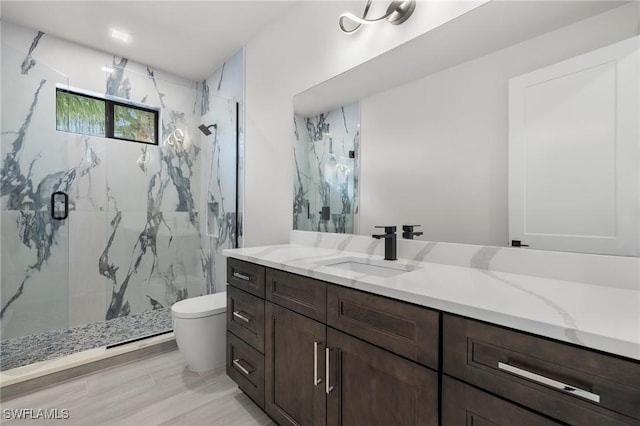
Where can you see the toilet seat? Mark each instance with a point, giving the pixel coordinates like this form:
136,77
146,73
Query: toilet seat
201,306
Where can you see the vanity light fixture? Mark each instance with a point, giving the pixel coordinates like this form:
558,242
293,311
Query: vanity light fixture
120,35
397,12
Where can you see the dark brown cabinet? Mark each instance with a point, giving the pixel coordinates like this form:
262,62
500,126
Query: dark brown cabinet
294,393
312,353
371,386
573,385
464,405
245,366
402,328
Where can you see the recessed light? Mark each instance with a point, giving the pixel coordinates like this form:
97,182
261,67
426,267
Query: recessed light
119,35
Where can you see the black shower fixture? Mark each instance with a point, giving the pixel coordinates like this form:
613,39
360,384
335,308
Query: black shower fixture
205,129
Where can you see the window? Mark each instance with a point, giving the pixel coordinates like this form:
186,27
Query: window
92,115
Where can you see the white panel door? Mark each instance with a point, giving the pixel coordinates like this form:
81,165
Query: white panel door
574,153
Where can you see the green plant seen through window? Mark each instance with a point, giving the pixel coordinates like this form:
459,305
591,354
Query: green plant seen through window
133,123
90,115
80,114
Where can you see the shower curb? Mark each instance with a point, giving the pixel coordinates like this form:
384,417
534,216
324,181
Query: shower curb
33,384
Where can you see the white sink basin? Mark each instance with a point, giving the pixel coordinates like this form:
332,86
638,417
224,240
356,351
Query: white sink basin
380,269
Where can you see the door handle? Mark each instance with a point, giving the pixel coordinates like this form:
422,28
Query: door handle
572,390
241,276
328,388
239,315
236,363
316,380
65,200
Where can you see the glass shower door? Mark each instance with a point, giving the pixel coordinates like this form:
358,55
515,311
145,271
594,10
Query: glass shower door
34,203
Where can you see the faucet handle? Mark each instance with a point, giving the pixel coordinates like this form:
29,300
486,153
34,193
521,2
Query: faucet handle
388,229
409,228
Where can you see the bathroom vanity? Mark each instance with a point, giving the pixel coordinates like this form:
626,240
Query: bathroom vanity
311,341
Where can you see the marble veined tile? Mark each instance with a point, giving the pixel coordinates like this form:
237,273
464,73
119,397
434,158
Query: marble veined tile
35,256
151,261
88,161
87,287
326,172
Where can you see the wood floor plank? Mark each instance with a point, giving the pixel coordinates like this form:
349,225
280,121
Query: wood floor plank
152,391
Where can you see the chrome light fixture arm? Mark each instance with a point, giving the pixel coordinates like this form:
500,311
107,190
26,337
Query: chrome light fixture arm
397,13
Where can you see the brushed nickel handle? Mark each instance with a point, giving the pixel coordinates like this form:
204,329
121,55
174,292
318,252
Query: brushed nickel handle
236,363
242,276
316,380
327,388
239,315
572,390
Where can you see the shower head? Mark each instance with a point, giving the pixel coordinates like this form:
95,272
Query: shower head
205,129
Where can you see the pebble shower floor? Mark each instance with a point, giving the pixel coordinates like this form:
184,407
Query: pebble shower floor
25,350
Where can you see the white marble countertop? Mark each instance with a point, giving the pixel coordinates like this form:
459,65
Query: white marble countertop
593,316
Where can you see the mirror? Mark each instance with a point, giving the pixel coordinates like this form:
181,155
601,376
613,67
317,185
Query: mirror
436,123
326,168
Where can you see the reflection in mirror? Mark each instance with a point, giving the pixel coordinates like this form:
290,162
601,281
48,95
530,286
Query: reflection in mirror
505,73
325,185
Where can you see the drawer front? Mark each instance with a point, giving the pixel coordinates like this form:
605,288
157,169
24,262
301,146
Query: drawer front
466,405
408,330
245,317
303,295
245,366
571,384
246,276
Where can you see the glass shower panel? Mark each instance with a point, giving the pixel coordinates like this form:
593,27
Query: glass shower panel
34,202
325,185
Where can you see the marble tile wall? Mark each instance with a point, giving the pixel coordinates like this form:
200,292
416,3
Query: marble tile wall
325,173
612,271
139,235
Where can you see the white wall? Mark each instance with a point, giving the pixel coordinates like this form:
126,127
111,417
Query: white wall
297,52
434,151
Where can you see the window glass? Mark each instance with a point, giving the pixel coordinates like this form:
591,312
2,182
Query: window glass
77,113
92,115
134,124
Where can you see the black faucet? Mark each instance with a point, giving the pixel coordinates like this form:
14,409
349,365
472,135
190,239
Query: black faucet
389,241
407,232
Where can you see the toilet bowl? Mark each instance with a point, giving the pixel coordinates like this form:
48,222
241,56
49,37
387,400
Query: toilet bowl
199,324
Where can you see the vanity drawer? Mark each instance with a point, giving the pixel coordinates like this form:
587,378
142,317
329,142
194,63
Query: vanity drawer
303,295
543,374
245,317
408,330
465,405
245,366
246,276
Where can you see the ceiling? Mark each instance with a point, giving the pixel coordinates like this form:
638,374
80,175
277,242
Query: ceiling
188,38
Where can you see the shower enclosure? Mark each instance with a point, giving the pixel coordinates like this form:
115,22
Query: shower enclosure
326,151
100,236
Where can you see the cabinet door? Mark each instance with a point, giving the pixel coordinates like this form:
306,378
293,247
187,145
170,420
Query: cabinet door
370,386
294,371
465,405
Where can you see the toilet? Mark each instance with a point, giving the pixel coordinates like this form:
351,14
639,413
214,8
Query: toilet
199,324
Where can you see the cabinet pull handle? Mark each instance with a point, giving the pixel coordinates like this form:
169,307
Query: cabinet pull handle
549,382
328,388
239,315
316,380
236,363
242,276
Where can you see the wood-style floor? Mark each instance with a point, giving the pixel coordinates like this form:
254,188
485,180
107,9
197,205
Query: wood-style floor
159,390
